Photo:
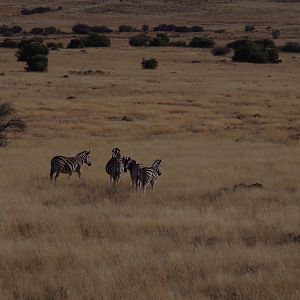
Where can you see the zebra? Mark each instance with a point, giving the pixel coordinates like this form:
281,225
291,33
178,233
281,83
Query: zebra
68,165
149,175
134,169
116,166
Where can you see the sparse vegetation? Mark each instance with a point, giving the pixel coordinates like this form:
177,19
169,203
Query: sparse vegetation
127,28
77,43
151,63
55,46
140,40
160,40
292,47
202,42
220,51
9,122
9,31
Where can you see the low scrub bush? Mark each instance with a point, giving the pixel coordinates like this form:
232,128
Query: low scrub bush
292,47
97,40
76,43
9,43
151,63
37,63
249,28
145,28
86,29
177,44
127,28
202,42
39,10
8,31
174,28
140,40
160,40
260,51
220,51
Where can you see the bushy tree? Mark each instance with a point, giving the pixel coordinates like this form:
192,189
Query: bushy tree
37,63
9,122
140,40
97,40
201,42
151,63
256,52
30,48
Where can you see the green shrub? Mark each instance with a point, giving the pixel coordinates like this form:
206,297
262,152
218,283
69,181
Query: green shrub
255,52
76,43
31,48
9,43
160,40
292,47
151,63
201,42
220,51
37,63
97,40
140,40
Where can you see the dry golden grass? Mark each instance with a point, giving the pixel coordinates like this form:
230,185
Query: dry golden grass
214,124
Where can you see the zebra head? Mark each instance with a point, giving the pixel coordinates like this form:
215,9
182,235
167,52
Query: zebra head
157,166
126,161
85,157
116,152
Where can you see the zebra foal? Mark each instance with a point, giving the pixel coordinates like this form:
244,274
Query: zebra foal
68,165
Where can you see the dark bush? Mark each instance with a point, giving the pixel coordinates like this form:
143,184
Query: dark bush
292,47
55,46
151,63
37,10
140,40
31,48
85,29
201,42
37,30
37,63
265,43
81,29
8,31
254,52
220,51
182,29
127,28
249,28
145,28
197,29
160,40
9,43
51,30
97,40
76,43
164,27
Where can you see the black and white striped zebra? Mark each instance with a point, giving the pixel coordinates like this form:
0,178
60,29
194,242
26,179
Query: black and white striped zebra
116,166
149,175
68,165
134,169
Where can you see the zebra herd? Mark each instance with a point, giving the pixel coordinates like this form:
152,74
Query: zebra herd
141,176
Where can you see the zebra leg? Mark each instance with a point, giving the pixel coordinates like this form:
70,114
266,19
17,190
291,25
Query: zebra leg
55,178
51,175
79,173
70,174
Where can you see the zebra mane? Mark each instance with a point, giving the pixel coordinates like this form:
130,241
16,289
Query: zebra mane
83,153
156,162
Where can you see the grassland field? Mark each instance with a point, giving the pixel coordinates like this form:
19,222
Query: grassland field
214,124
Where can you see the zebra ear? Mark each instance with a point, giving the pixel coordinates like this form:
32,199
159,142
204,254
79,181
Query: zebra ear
89,151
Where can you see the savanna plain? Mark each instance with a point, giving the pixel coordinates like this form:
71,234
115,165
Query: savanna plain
214,124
